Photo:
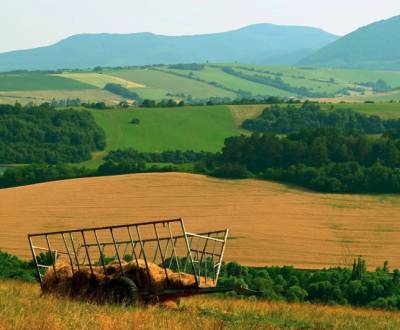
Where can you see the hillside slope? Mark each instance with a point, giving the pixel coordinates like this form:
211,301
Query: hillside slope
262,43
375,46
18,311
270,224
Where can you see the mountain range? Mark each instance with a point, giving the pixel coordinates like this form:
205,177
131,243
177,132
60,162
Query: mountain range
255,44
375,46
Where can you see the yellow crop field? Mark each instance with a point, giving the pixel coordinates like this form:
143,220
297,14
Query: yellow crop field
271,224
37,97
100,79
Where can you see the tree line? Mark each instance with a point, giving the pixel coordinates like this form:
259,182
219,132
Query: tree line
337,286
323,159
173,157
33,134
289,118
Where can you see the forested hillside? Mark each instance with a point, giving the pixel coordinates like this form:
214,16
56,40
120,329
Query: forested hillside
375,46
42,134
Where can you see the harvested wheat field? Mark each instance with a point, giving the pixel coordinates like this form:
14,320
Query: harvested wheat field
271,224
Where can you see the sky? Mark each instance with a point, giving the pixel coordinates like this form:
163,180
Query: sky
33,23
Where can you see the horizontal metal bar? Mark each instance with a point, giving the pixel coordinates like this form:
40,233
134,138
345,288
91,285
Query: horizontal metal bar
105,227
205,237
201,235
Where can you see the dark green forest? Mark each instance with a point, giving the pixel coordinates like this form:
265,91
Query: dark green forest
37,134
289,118
324,159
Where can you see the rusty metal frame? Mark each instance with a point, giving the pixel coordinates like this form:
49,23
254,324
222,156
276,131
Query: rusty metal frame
195,257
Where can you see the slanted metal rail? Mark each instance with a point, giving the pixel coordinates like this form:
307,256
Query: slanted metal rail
162,242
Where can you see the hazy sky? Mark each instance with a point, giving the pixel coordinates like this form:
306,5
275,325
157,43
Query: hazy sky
31,23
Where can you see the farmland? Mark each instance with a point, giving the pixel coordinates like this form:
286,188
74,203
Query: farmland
272,224
196,128
213,80
18,311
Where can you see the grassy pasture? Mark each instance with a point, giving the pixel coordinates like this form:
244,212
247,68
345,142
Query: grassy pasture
384,110
23,308
211,74
274,224
99,80
341,76
39,82
170,83
197,128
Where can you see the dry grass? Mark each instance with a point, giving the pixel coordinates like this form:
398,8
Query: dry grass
100,80
37,97
271,223
21,307
242,112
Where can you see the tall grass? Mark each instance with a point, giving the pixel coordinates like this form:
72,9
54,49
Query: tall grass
22,307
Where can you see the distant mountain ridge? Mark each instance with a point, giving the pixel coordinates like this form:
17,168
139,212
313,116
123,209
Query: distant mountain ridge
375,46
255,44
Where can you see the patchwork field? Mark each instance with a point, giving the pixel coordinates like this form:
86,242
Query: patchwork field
271,224
170,83
99,79
161,82
19,310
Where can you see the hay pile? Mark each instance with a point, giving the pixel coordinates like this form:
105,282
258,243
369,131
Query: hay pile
65,281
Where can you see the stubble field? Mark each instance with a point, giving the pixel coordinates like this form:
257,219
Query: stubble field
271,224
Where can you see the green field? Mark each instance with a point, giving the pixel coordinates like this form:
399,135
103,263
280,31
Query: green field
196,128
162,82
36,81
170,83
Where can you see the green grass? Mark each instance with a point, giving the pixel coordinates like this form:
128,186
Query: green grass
39,82
211,74
384,110
196,128
170,83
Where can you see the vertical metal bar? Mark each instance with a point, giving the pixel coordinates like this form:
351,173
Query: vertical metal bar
35,261
190,253
187,255
221,257
166,247
155,255
174,253
87,252
144,254
142,250
68,252
212,260
101,253
133,244
159,247
126,248
53,262
116,250
201,259
75,254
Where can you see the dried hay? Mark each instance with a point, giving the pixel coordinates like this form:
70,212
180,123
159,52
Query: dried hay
84,283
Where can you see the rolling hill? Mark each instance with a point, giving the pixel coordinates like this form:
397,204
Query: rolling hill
375,46
226,80
261,43
271,224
